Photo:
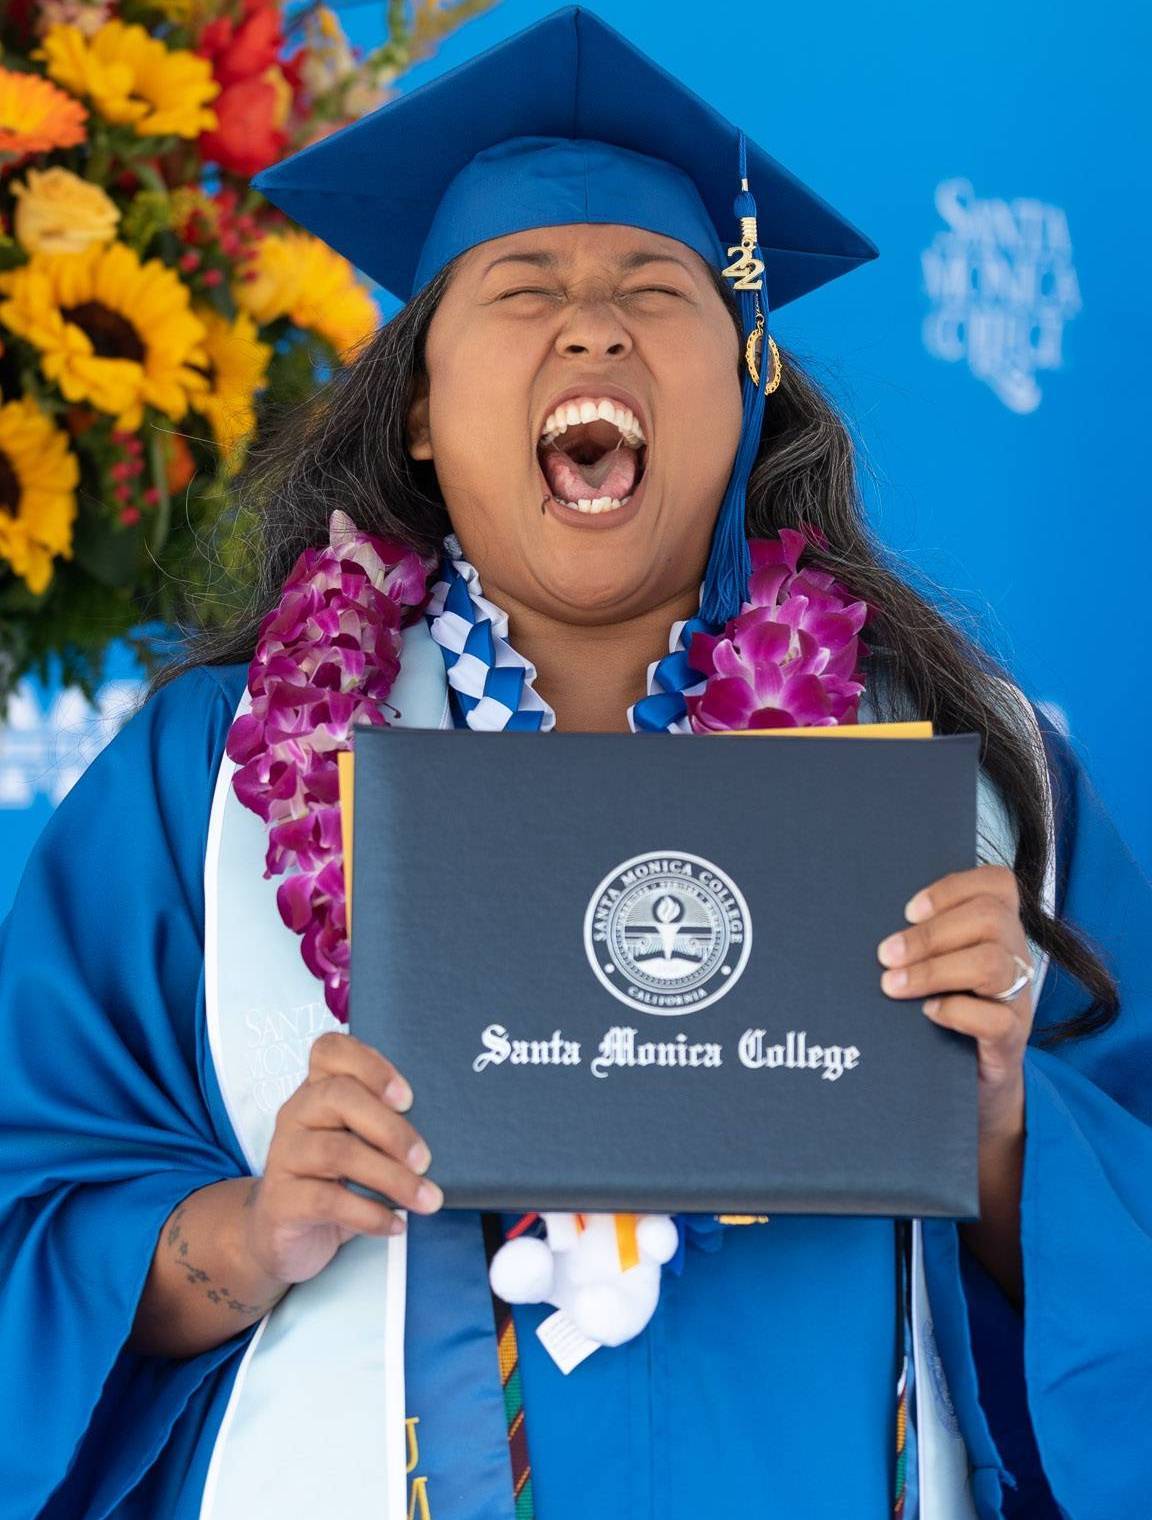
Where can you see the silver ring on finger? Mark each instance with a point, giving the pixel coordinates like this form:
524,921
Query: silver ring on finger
1027,974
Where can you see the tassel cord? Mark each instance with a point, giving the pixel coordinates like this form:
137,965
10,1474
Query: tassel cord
729,565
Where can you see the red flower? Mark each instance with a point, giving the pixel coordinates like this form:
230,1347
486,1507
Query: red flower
241,52
292,69
247,137
255,97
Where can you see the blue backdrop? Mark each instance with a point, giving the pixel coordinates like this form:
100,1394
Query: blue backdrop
993,360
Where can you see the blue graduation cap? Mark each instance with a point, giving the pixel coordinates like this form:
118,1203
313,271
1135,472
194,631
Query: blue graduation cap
567,122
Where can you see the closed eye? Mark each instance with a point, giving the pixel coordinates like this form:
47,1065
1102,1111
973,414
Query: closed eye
535,290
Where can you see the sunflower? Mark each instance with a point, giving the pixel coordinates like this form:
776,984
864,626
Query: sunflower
36,117
294,275
132,77
237,365
110,330
38,479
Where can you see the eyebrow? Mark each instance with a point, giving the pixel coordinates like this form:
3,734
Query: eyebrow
545,260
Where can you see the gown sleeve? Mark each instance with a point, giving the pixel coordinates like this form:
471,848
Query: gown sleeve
1087,1189
1066,1384
105,1126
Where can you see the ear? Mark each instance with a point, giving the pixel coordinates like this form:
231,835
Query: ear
419,432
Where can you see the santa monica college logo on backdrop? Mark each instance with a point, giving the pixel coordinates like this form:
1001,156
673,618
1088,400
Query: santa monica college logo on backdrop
667,932
46,747
1002,284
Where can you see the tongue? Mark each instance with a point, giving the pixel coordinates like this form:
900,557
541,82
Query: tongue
613,475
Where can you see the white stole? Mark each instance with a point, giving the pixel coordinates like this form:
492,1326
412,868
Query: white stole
315,1422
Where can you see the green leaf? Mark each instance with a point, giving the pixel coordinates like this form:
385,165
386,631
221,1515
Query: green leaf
162,516
220,297
16,597
74,625
149,215
33,386
169,246
109,552
12,254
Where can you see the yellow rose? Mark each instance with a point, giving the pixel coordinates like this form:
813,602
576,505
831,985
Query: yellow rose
60,213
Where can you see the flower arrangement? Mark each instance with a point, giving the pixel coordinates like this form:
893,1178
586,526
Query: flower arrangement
328,655
153,307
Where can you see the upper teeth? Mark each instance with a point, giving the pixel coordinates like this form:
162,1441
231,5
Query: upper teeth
589,409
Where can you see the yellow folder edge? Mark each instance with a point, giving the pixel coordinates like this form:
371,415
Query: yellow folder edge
345,760
921,729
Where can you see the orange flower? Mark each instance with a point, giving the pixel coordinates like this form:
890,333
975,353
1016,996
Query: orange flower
180,466
36,117
79,419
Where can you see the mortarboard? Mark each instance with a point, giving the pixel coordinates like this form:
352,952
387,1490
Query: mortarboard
566,121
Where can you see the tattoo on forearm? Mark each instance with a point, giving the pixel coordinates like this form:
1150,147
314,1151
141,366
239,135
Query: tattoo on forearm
197,1277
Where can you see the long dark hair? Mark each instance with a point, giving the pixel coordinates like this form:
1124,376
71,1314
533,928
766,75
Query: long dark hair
346,447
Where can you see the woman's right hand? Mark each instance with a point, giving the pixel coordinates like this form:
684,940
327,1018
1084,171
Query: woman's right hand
343,1121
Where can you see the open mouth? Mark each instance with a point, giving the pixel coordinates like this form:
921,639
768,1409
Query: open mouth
592,454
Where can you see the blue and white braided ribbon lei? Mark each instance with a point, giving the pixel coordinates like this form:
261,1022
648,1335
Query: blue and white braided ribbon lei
491,686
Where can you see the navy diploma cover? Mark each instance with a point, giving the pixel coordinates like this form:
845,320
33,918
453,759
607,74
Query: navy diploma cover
629,972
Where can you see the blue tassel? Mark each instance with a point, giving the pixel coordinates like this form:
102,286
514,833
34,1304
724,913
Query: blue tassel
725,586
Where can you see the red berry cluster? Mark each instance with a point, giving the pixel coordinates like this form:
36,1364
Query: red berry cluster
239,230
223,223
190,262
126,473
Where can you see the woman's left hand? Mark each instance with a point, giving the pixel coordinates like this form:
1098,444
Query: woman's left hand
966,929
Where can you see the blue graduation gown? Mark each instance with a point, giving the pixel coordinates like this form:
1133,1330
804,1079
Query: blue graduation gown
764,1383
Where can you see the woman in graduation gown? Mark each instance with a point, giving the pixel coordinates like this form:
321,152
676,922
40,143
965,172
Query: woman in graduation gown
197,1317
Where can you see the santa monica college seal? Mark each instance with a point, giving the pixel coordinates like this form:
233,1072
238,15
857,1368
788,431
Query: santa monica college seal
667,932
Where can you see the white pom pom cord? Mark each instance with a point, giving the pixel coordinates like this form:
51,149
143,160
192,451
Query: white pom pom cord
580,1268
657,1238
522,1271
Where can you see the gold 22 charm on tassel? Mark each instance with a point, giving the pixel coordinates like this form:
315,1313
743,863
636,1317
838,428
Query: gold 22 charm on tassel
752,351
745,271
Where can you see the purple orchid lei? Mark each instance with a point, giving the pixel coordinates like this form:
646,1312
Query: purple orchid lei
326,658
790,657
328,654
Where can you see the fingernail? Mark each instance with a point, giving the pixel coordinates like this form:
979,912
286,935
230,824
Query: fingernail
419,1158
396,1225
398,1094
429,1196
918,907
891,950
931,1005
892,981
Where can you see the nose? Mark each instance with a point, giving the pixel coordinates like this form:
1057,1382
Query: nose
593,328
